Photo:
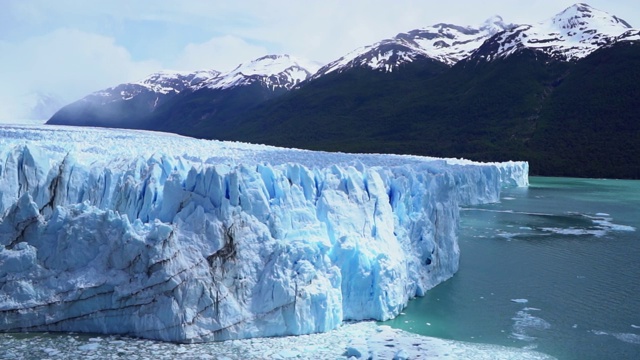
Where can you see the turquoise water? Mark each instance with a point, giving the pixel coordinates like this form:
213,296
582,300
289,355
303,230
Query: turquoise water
554,267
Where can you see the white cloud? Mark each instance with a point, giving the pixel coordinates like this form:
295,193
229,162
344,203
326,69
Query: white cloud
80,61
325,30
67,62
220,53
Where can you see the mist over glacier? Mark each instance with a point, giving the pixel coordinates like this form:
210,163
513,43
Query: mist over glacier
177,239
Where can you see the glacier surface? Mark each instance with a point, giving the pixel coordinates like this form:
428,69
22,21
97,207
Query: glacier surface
171,238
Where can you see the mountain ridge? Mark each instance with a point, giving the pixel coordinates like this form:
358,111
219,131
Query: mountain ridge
569,35
395,97
447,43
128,105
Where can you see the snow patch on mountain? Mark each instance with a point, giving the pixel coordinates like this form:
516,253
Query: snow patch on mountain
165,237
453,43
442,42
175,81
158,85
570,35
273,71
630,35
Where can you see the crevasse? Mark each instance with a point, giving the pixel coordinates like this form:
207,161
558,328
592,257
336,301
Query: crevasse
168,248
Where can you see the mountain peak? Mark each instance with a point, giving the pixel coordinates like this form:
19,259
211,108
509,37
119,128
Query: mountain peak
274,64
446,43
571,34
177,80
168,81
274,71
581,15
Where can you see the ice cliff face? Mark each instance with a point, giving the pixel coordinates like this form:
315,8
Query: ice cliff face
185,240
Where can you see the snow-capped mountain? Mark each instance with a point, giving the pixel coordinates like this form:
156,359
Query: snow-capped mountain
127,105
162,84
273,71
570,35
168,81
442,42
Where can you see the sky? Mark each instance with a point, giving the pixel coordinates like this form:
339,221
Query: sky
73,47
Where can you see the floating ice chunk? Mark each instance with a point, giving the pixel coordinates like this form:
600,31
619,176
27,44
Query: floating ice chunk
287,353
508,235
614,227
617,227
628,337
358,348
604,222
625,337
51,352
575,231
89,347
525,323
401,355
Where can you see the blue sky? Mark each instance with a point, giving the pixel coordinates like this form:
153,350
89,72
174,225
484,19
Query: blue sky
73,47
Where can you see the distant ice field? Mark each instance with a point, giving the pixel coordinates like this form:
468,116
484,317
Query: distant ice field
103,144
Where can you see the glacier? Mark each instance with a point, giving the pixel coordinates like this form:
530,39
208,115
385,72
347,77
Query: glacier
170,238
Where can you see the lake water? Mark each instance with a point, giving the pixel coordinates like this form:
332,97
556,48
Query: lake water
554,267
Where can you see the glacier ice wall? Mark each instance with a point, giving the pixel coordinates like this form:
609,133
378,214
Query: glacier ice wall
224,241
